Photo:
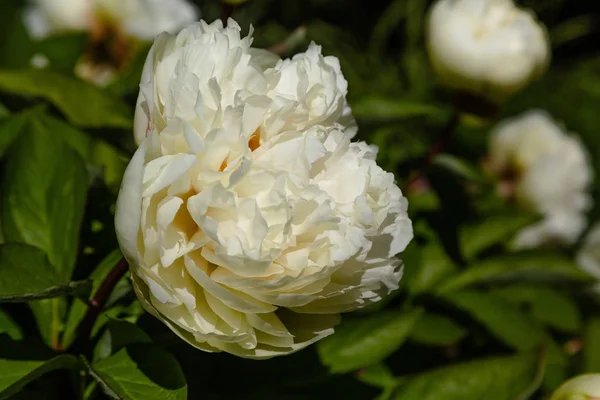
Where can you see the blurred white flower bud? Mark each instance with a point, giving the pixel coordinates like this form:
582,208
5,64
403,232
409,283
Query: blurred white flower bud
488,48
583,387
547,171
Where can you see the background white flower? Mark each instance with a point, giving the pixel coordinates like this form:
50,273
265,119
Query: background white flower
486,47
243,237
582,387
549,172
140,19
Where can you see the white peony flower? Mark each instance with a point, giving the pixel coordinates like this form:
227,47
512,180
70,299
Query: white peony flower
582,387
547,171
486,47
243,241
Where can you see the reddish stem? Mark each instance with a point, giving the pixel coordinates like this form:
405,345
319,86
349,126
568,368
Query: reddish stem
96,303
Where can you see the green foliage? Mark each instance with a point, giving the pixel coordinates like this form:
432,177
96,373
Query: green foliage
366,341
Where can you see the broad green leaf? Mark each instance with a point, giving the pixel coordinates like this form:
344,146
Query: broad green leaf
142,371
44,196
435,266
10,327
10,129
547,305
557,366
16,48
110,161
591,346
117,335
501,378
492,230
15,374
83,104
437,330
365,341
376,375
4,112
25,274
44,190
78,308
534,266
502,319
381,109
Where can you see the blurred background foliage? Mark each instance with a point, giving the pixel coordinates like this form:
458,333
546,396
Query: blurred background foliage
472,319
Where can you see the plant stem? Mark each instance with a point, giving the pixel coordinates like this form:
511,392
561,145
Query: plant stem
436,148
96,303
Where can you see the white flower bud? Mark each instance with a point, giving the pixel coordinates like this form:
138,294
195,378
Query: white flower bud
583,387
488,48
244,237
548,171
139,19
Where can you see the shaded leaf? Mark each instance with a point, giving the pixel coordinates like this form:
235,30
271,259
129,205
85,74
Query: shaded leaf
117,335
547,305
376,375
10,129
533,266
25,274
502,319
365,341
381,109
15,374
591,347
82,103
501,378
10,327
436,330
141,371
492,230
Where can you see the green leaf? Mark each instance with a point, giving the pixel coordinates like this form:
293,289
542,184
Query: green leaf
435,266
591,346
83,104
15,374
501,378
10,128
63,50
437,330
534,266
25,274
118,334
97,153
78,308
502,319
376,375
381,109
44,196
141,371
10,327
365,341
492,230
547,305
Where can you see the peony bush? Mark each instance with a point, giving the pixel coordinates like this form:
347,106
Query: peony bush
254,199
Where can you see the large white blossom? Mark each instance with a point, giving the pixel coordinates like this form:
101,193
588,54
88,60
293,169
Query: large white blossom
486,47
249,218
547,171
